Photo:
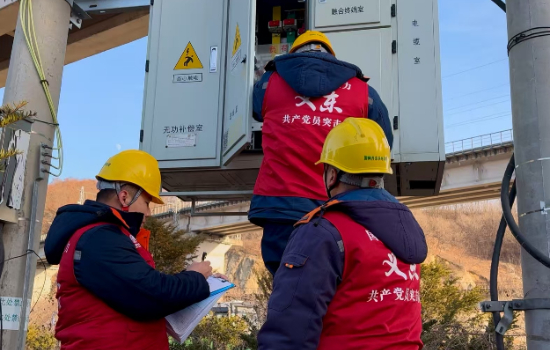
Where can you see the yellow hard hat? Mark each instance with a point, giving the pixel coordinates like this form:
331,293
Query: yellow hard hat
357,146
309,37
135,167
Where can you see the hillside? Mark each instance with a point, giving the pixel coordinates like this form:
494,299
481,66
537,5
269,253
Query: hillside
464,236
63,192
461,235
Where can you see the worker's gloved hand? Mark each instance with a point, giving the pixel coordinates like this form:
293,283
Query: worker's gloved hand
203,268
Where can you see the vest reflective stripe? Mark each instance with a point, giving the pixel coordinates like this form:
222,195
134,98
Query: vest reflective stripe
293,133
377,304
85,322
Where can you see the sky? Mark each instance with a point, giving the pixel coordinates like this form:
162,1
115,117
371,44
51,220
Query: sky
101,96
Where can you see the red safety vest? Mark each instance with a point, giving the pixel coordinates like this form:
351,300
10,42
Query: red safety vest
293,133
85,322
377,304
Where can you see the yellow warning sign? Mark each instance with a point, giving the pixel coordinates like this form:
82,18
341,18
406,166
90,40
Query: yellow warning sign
189,59
237,41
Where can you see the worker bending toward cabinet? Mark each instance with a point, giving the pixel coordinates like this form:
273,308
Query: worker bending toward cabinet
349,277
300,98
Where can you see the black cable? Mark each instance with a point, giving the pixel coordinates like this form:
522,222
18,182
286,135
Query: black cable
17,257
44,122
493,279
500,4
45,277
514,228
528,34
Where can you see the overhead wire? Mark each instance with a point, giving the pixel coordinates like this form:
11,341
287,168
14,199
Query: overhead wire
475,103
479,107
482,119
478,91
473,68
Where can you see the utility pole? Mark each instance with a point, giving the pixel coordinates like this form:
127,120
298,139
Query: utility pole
530,91
51,21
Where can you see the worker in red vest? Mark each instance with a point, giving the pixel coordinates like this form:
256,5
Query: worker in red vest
299,99
109,294
349,277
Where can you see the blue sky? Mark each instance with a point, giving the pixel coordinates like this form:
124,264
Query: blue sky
101,97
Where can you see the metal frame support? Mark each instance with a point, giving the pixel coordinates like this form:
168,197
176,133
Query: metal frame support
77,15
107,6
508,307
81,10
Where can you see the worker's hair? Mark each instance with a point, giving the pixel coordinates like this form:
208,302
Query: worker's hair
105,196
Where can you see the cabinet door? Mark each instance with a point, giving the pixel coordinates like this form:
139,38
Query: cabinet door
183,99
338,13
239,75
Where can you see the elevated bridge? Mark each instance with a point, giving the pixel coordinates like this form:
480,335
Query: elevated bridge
473,172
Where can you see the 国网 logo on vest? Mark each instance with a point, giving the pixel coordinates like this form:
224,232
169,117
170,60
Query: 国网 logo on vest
375,158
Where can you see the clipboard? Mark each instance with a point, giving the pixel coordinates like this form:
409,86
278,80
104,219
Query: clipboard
179,325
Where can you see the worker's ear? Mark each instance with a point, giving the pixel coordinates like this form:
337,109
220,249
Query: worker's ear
331,176
123,197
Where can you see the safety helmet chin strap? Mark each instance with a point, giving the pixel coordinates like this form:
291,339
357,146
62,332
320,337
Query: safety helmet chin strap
339,174
117,186
357,180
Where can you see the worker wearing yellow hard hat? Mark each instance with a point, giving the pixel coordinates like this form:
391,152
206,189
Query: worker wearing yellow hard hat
312,41
351,269
300,98
357,147
110,295
133,167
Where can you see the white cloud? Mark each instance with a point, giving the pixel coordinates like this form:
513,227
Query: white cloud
118,146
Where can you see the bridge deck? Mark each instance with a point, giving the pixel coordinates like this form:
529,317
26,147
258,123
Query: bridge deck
473,172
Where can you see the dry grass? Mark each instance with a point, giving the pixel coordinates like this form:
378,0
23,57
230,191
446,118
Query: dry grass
465,235
470,226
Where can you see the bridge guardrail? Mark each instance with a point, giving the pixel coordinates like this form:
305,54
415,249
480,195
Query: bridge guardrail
176,207
477,142
481,141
